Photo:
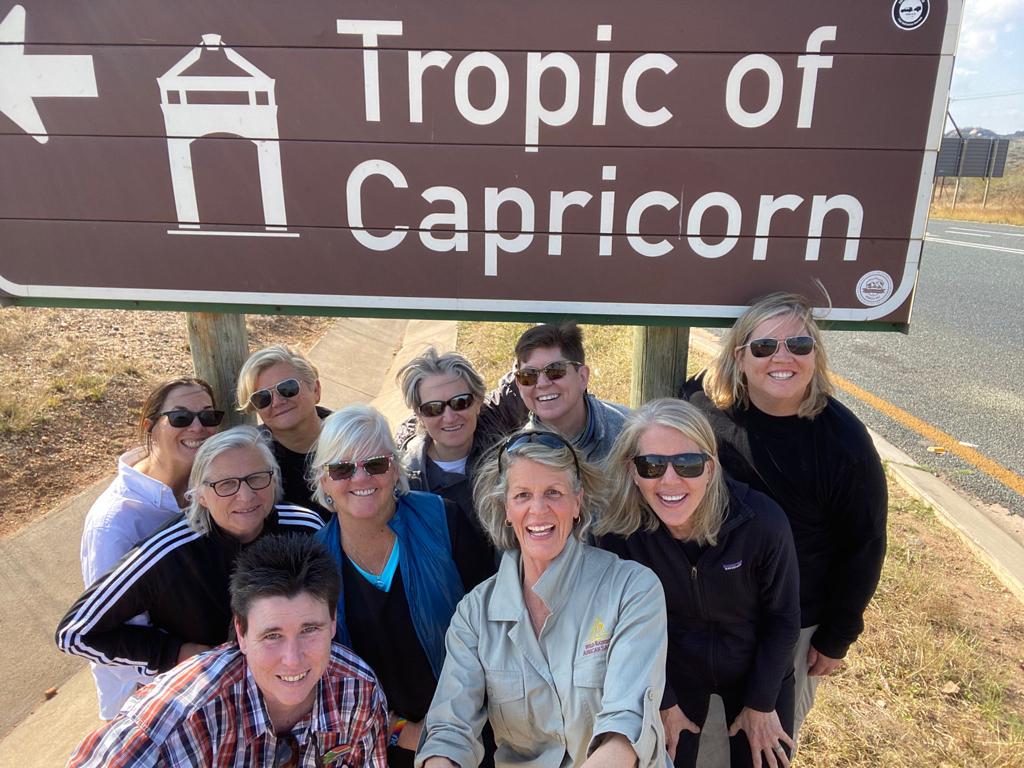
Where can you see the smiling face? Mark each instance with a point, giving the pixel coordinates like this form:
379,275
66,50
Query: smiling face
288,413
241,514
672,498
363,497
174,449
777,384
287,647
542,506
452,431
558,403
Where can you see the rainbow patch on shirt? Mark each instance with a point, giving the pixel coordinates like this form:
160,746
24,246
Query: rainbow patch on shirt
329,757
598,639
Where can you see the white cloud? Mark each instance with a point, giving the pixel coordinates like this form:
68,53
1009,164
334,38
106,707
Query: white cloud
964,72
983,21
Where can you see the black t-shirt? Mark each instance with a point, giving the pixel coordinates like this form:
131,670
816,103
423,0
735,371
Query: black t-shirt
293,467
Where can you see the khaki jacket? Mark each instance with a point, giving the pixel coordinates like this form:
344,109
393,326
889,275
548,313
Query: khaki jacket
598,666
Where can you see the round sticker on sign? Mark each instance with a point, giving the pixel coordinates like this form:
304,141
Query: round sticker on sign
909,14
874,288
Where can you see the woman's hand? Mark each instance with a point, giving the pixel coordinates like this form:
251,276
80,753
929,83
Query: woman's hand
188,650
675,722
818,664
766,737
409,738
615,752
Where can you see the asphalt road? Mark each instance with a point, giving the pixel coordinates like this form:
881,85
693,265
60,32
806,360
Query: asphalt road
961,368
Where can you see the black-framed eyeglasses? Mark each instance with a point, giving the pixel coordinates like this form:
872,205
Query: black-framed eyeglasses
345,470
549,439
229,486
262,398
653,465
797,345
433,408
528,375
180,418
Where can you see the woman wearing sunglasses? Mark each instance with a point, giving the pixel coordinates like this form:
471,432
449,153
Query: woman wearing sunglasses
725,556
406,559
563,651
282,386
446,393
179,575
779,429
147,493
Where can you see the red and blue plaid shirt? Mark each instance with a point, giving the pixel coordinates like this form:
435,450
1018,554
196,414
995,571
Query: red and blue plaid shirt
209,712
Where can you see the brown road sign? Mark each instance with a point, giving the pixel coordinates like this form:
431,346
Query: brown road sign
658,161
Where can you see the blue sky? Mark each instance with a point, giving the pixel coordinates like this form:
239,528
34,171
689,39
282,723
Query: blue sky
989,63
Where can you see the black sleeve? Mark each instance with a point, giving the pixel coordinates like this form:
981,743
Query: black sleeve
95,626
860,507
474,555
504,410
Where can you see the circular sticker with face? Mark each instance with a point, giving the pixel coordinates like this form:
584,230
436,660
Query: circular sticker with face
909,14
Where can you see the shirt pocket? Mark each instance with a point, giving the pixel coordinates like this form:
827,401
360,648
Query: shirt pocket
506,705
588,675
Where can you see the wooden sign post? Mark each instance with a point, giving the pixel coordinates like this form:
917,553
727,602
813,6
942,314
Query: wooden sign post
220,345
659,362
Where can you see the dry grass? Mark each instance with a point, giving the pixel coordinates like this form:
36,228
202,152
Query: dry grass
1005,204
937,679
71,385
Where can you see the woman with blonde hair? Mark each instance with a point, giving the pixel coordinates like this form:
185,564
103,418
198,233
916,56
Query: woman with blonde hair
769,400
563,651
725,557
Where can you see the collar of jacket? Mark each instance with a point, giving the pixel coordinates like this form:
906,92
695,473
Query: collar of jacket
554,587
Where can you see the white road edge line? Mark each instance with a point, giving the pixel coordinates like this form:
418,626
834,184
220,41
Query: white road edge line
982,246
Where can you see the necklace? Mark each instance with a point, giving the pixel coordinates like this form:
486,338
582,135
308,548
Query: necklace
375,574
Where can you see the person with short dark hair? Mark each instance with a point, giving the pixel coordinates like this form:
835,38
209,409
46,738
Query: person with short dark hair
769,401
282,695
550,391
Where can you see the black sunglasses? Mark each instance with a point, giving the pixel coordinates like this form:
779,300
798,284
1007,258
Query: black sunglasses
262,398
549,439
436,407
652,465
229,485
554,371
180,418
797,345
345,470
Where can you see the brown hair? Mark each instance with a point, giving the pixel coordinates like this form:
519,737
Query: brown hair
568,337
154,404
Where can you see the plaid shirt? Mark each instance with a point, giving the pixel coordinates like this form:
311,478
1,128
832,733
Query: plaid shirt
209,712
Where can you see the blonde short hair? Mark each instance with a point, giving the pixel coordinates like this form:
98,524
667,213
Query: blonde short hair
490,485
724,382
628,512
263,359
352,433
432,363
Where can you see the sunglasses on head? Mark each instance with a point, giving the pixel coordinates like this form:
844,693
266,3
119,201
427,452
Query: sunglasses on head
684,464
262,398
345,470
549,439
436,407
797,345
180,418
229,485
528,375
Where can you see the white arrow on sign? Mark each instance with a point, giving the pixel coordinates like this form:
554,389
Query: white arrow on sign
23,78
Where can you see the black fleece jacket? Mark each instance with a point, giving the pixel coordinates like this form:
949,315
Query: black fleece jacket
826,475
734,614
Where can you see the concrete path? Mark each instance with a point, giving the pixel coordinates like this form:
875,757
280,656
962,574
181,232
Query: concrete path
39,567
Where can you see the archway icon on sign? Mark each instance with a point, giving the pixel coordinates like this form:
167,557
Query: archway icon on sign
251,115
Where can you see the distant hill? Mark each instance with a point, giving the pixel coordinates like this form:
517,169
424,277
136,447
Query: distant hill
974,132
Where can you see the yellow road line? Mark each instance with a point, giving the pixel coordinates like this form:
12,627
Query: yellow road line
992,468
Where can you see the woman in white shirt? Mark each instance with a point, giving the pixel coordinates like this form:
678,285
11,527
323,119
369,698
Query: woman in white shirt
147,493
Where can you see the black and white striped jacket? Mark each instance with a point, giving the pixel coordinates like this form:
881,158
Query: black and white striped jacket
180,579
